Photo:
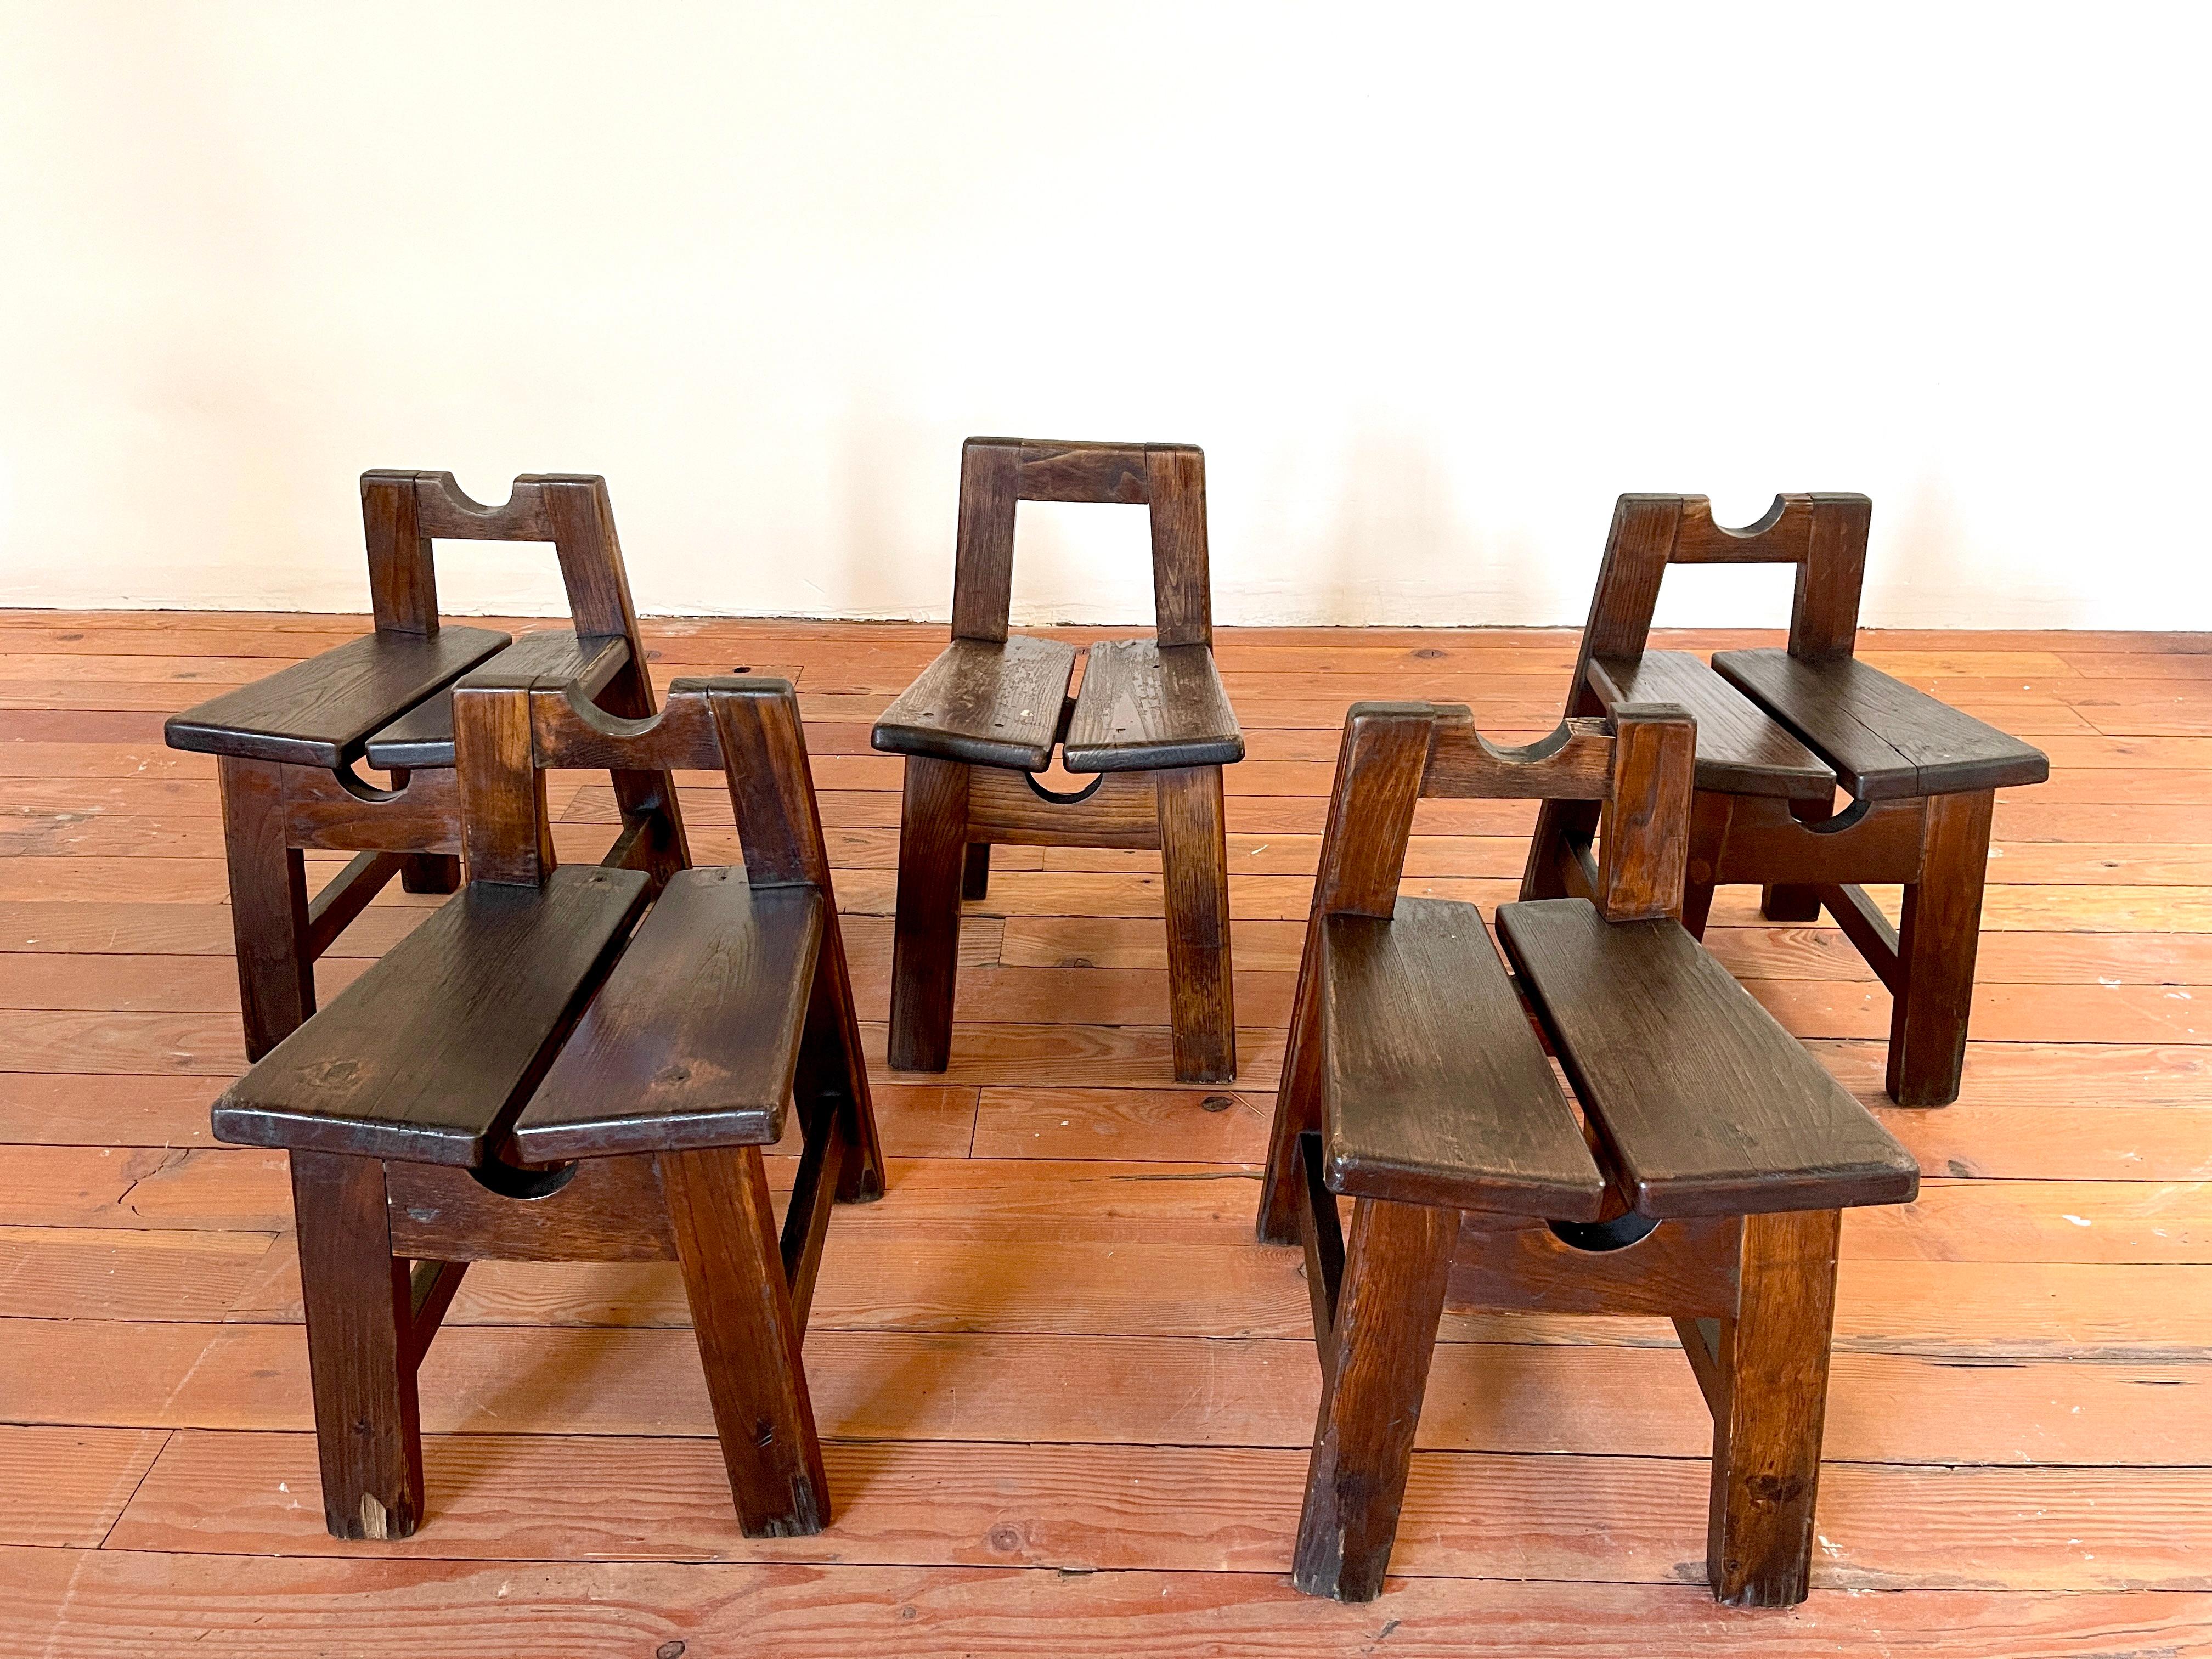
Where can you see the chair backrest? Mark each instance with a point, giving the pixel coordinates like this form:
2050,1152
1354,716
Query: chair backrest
507,736
1641,765
1824,536
402,512
996,474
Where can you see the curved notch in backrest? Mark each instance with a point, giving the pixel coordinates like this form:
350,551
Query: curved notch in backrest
1782,535
997,474
1574,762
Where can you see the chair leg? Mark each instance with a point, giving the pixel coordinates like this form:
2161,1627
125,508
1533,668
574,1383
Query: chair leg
1766,1438
975,875
1297,1112
832,1075
1938,937
430,873
1557,823
1395,1267
925,938
268,904
1793,900
369,1426
1194,870
725,1227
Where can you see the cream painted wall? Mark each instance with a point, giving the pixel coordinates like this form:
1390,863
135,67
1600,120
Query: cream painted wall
1431,284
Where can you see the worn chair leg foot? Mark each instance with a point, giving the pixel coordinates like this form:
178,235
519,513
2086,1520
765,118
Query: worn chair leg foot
1938,936
1194,871
925,938
718,1204
1767,1433
430,873
368,1429
268,904
1396,1264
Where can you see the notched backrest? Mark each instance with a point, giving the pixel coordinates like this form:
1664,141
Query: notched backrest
1825,536
507,736
1641,766
403,511
997,474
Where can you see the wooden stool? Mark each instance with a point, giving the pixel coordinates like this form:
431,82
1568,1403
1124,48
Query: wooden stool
287,745
1706,1186
522,1078
1151,721
1777,731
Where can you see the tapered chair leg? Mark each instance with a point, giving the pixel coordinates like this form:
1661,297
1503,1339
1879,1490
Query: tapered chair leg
1791,900
975,875
718,1204
1396,1264
1194,873
1938,936
1766,1434
268,904
833,1076
368,1427
926,939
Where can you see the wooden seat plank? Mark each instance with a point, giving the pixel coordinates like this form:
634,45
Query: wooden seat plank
1143,706
1435,1089
983,703
1705,1104
1886,739
321,712
421,739
426,1056
692,1042
1740,750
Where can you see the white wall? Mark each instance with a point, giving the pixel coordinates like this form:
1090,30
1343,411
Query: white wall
1431,285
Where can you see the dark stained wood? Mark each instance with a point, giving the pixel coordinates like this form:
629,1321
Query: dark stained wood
360,1314
321,712
271,922
1762,816
1885,740
1434,1089
422,738
1939,933
1680,1269
1645,822
1574,762
1740,750
718,1204
1395,1267
1145,707
1194,871
932,851
1704,1104
1150,710
604,1209
403,578
1773,1359
1122,810
428,1054
984,704
692,1040
506,832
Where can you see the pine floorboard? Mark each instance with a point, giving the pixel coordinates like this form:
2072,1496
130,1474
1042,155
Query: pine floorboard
1065,1399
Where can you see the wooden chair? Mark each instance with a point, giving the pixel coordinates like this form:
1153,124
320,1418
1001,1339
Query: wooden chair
1151,721
1705,1181
1777,731
523,1078
287,745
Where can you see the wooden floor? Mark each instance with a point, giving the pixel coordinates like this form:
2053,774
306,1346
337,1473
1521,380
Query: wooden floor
1068,1398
